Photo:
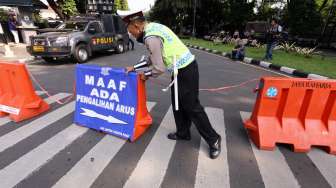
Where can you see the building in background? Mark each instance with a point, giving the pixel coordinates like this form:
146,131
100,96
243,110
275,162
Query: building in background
23,9
100,6
48,13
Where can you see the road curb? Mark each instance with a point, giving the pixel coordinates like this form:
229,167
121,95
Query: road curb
265,64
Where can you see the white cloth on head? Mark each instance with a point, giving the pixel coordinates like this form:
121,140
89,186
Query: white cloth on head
16,36
1,30
124,13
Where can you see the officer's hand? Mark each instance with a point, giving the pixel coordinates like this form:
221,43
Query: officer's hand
129,69
143,77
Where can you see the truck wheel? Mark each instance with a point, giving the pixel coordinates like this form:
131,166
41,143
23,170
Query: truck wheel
120,47
81,53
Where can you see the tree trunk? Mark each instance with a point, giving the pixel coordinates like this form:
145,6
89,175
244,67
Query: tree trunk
56,8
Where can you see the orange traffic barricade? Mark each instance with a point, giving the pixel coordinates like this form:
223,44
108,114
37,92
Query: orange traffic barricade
17,95
143,118
295,111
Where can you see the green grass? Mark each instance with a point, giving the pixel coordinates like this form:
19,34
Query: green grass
317,64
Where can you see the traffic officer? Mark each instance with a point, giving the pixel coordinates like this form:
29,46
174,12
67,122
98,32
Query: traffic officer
163,46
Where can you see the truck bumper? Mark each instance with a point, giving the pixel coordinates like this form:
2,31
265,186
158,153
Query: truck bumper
50,51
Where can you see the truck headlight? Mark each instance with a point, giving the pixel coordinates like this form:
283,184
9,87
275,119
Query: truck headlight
60,41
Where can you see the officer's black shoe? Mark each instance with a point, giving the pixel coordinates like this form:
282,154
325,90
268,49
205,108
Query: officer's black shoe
215,148
174,136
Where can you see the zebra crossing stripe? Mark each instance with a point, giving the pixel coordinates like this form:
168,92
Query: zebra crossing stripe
213,173
102,154
49,100
273,167
153,164
27,164
4,120
58,96
326,164
85,171
21,133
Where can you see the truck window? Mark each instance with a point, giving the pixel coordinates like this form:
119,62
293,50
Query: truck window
97,27
77,26
119,25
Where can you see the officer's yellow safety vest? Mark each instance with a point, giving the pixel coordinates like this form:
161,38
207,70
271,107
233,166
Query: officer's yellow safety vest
172,46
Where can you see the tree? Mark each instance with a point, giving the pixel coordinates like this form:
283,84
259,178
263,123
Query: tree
212,16
81,6
239,12
270,9
117,4
69,8
178,14
63,8
121,5
303,18
124,5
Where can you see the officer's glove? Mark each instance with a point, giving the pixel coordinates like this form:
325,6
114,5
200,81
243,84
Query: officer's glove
142,64
148,73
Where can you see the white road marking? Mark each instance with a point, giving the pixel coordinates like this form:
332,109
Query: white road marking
21,133
213,173
153,164
102,153
273,167
326,163
32,161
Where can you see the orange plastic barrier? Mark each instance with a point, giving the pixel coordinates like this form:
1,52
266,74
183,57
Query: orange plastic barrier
300,112
17,95
143,118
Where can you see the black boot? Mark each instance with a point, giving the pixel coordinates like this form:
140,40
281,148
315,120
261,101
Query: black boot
215,148
175,136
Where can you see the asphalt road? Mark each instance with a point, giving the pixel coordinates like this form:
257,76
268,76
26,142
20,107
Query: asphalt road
49,151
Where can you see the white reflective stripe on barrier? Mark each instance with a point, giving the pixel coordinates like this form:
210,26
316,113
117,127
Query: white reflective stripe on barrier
10,110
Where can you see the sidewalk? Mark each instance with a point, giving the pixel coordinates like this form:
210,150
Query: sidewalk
19,50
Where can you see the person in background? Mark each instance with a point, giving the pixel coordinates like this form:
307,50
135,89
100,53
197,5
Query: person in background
247,34
235,37
12,24
236,34
238,52
272,38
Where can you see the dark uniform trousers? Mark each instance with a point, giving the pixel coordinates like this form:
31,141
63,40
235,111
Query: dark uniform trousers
190,109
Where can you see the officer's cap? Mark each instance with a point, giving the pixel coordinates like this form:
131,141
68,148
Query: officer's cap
128,16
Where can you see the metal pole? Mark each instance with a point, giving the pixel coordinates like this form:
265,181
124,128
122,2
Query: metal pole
176,85
194,23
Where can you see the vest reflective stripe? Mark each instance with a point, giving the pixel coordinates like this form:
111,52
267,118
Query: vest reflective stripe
172,46
183,61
